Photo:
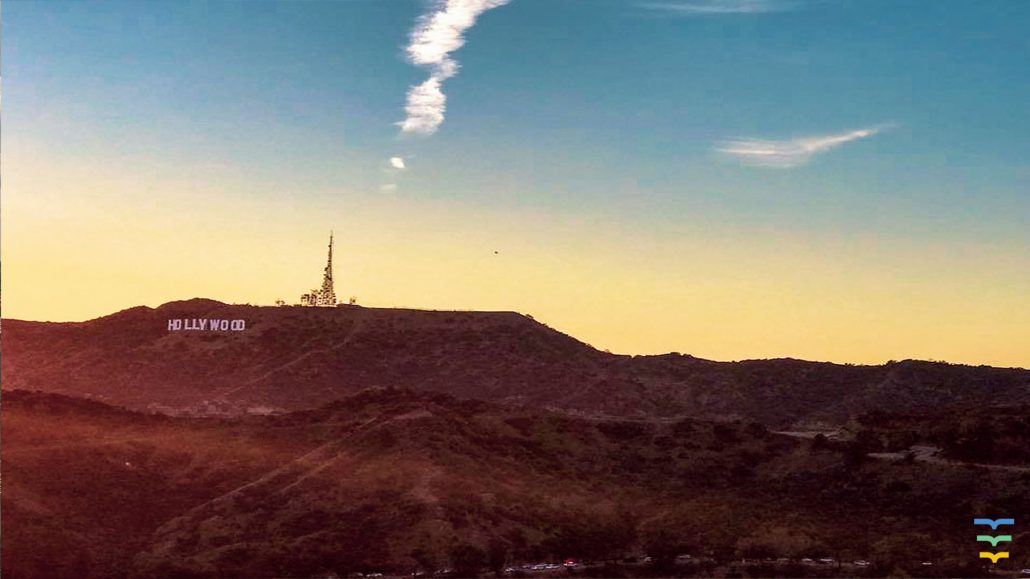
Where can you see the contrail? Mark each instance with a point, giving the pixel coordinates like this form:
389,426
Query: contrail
437,34
717,7
791,152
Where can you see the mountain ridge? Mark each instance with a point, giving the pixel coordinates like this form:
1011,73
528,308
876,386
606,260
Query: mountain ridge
292,358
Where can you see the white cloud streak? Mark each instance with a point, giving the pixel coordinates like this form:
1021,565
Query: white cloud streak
792,152
397,163
714,7
436,35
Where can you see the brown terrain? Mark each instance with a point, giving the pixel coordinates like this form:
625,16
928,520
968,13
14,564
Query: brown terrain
396,482
294,358
328,442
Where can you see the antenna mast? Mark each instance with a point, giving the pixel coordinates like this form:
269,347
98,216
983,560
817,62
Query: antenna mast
326,295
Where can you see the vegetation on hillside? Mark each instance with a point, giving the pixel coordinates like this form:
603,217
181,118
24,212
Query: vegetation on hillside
292,358
395,481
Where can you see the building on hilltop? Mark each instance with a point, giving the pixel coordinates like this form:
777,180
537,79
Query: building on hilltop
326,295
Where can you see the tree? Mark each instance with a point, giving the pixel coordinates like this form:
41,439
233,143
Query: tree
424,558
497,555
467,559
663,547
820,441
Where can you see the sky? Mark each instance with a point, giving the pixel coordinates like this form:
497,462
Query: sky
841,180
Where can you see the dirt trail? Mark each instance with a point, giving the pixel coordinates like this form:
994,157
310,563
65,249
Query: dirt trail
921,453
930,455
81,443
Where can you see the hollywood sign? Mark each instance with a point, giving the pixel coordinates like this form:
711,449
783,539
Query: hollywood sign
201,324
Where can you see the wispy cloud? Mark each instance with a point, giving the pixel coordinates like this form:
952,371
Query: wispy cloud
436,35
792,152
711,7
397,163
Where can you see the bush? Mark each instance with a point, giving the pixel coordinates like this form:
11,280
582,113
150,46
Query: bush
467,559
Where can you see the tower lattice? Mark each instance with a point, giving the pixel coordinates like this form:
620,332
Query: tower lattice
326,295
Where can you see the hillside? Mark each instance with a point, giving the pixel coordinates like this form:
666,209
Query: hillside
394,481
294,358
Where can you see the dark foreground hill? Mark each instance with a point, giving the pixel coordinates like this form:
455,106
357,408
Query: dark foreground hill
395,481
293,358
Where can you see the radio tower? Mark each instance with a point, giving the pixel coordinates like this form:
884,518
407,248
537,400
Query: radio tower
326,296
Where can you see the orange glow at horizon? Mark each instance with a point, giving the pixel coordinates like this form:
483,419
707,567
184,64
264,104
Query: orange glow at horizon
714,292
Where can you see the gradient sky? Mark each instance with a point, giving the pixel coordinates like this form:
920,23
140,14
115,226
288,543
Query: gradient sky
609,151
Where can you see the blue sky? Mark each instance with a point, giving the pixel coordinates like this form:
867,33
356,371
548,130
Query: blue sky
570,104
616,112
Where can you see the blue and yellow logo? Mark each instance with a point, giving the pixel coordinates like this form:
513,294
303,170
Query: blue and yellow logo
994,539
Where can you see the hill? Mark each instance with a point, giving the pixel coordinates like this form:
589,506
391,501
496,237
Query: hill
293,358
394,481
